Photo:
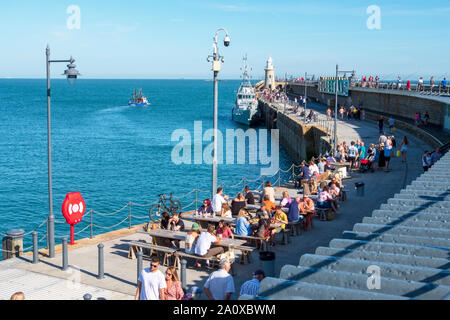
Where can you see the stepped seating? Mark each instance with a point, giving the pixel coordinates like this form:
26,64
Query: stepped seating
407,239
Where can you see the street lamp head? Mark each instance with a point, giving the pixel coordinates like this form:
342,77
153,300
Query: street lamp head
227,41
71,73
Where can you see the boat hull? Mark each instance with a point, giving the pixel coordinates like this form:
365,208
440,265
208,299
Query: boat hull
139,104
244,116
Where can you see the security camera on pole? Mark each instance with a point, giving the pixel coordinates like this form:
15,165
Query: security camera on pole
216,63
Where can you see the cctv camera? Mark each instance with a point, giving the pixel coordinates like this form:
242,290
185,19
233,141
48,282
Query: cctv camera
226,42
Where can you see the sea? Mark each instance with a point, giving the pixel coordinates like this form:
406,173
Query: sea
111,153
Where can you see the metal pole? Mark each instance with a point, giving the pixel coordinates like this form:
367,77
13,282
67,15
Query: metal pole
196,199
183,274
51,217
101,262
92,225
35,247
65,260
129,214
335,114
139,263
285,86
215,115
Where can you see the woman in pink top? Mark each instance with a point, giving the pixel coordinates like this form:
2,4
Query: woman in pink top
173,290
223,230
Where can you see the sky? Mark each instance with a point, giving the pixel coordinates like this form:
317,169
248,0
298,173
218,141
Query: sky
172,39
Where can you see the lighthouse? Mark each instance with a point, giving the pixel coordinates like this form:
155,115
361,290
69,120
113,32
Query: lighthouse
269,82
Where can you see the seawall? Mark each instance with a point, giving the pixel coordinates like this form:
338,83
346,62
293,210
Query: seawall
300,141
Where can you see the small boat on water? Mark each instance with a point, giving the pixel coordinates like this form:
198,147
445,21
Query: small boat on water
245,109
138,100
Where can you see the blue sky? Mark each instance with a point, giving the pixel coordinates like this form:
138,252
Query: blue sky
156,39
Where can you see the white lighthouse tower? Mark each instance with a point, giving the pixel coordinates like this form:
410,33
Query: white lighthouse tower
270,75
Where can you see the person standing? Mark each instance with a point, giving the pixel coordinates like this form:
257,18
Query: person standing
341,113
352,154
426,161
218,201
391,124
220,284
404,148
380,124
387,154
436,156
426,118
251,287
173,290
151,283
420,84
432,82
294,211
444,83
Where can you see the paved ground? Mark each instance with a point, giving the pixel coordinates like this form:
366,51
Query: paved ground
46,281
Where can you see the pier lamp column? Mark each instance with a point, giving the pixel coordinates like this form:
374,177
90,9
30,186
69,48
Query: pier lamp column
216,60
336,108
71,73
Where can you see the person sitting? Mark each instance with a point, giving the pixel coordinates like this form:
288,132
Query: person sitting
286,201
206,209
262,211
337,181
175,223
204,242
268,190
306,205
270,206
293,213
281,217
325,200
223,230
243,226
165,217
334,190
263,227
313,183
330,161
249,197
226,211
237,204
191,238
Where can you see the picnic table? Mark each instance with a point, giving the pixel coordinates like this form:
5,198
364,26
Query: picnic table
204,221
181,236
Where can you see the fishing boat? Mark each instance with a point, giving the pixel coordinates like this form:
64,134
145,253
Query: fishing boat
245,109
138,100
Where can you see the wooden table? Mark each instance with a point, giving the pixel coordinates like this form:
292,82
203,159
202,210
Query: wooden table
204,221
181,236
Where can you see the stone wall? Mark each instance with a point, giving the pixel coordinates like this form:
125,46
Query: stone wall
401,104
300,141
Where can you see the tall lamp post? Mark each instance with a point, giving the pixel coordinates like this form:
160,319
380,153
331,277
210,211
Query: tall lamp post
336,108
216,60
71,73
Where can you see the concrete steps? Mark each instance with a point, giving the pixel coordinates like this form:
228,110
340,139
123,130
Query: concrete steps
348,280
389,270
381,237
408,239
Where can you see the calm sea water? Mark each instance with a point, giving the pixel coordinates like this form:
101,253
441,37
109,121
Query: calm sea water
109,152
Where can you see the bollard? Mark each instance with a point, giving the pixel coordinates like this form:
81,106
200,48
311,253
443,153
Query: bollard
101,266
139,263
129,214
183,274
35,247
65,260
13,244
87,296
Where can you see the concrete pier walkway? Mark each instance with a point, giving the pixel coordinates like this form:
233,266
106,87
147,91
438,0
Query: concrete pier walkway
47,281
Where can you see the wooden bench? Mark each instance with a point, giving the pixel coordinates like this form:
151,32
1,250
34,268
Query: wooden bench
182,254
261,243
295,227
136,246
322,213
246,252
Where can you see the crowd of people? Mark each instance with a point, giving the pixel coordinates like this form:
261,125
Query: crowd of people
372,82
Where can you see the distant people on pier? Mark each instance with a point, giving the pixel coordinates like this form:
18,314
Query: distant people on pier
426,161
404,148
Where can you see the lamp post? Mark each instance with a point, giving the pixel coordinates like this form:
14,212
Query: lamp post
71,73
216,60
335,107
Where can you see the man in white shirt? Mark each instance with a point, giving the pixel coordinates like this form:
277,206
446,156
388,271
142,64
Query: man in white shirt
217,201
220,284
251,287
151,283
204,242
352,154
382,139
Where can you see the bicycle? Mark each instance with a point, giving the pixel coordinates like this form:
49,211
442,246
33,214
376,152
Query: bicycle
161,207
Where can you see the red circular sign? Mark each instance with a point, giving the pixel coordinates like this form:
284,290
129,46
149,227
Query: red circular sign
73,208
